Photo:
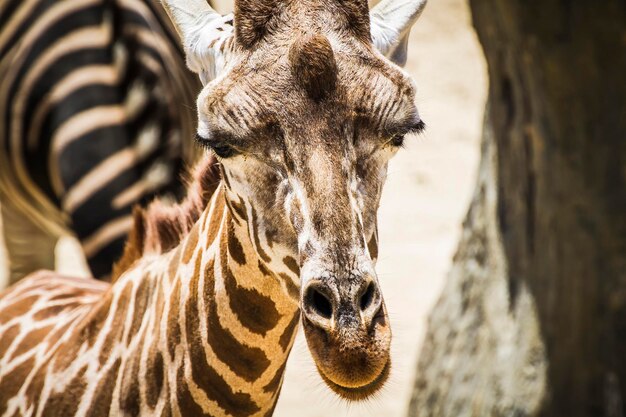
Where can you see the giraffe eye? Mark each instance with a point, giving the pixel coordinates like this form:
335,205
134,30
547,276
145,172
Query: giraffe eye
223,150
220,148
397,140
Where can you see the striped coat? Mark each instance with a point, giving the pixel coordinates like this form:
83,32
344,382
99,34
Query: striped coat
96,106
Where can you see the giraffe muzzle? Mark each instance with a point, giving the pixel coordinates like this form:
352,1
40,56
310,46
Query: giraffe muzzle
346,327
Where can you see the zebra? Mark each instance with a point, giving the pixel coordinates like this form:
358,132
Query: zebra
95,105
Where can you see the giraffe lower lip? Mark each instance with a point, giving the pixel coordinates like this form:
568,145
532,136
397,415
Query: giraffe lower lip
362,392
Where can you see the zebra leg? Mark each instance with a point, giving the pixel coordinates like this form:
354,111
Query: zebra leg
29,248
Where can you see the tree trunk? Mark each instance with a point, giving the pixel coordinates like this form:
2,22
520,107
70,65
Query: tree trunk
532,320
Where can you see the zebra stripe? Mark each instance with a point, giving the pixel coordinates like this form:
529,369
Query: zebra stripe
95,102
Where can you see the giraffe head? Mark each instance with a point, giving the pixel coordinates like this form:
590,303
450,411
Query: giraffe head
304,110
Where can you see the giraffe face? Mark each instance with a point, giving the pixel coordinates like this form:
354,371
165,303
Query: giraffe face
304,118
304,124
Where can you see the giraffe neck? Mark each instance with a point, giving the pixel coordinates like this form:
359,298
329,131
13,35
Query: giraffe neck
231,317
204,329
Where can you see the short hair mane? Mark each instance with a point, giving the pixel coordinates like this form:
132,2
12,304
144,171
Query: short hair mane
160,227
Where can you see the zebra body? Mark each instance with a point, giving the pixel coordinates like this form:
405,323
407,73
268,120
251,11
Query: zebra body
95,99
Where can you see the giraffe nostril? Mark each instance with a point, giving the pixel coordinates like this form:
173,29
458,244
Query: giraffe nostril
320,303
367,297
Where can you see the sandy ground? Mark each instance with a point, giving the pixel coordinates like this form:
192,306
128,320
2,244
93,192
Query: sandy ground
425,199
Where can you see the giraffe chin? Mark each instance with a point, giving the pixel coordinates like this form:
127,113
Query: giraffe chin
359,393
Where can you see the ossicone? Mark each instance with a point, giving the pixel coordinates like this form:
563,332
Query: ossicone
313,65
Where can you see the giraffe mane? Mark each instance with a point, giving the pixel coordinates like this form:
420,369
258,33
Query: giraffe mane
160,226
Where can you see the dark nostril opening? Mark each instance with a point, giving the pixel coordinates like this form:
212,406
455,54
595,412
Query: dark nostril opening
367,297
320,303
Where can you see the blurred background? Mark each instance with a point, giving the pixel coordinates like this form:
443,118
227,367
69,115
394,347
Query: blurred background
502,228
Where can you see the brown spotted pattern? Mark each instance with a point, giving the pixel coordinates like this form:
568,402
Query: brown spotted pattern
199,330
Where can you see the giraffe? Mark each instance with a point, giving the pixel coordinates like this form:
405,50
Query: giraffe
303,111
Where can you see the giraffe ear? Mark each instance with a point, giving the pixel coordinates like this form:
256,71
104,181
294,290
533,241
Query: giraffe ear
252,18
203,32
391,22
